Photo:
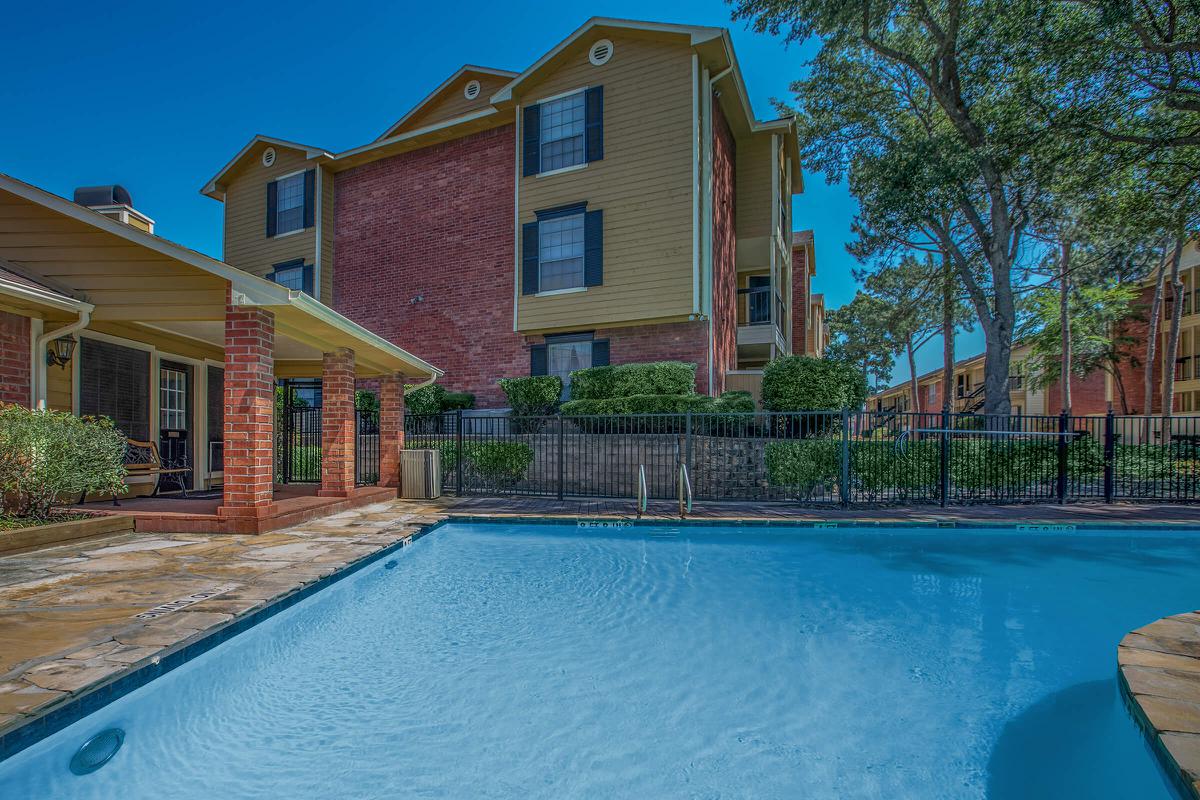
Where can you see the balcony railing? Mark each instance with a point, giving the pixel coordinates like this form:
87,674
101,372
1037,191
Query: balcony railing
760,301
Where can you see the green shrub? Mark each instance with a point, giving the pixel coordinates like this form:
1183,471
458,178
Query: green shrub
426,400
881,468
734,402
805,465
48,455
504,462
802,383
454,401
534,396
366,401
603,406
594,383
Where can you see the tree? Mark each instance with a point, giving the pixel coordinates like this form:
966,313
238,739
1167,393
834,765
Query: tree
940,70
859,337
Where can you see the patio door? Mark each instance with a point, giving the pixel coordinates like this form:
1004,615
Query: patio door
175,415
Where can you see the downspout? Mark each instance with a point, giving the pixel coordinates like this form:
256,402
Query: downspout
707,277
420,385
39,366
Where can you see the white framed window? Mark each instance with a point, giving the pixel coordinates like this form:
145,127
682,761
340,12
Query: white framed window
560,253
563,358
289,204
172,399
562,135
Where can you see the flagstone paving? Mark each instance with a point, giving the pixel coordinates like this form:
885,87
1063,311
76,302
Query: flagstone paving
68,614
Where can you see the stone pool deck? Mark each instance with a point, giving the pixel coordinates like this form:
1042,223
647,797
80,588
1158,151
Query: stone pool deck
70,626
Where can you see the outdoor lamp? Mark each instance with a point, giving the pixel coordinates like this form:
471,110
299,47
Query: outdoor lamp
60,350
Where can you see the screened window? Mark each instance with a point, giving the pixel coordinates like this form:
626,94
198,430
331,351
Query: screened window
563,123
560,251
114,382
566,357
289,204
172,399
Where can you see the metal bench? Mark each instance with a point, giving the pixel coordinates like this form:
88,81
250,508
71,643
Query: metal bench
142,459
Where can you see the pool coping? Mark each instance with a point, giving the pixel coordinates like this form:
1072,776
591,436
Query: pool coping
1179,753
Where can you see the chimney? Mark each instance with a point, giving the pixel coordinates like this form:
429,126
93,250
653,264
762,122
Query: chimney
114,201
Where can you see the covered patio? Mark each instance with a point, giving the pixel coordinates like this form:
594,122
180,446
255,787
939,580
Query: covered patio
184,353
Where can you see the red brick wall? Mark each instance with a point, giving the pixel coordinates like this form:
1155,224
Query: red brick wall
14,358
1087,396
337,423
437,224
724,251
799,300
1133,376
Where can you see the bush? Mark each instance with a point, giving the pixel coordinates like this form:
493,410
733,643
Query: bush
626,380
504,462
734,402
366,401
594,383
802,383
454,401
426,400
805,465
45,455
535,396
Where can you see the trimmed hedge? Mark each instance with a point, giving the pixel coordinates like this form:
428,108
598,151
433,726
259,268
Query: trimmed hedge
504,462
807,464
802,383
434,399
629,380
534,396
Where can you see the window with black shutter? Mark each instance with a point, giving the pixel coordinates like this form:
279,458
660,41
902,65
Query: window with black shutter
564,249
563,132
294,275
114,382
291,203
565,353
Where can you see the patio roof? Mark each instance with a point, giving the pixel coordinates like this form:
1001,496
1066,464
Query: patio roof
127,275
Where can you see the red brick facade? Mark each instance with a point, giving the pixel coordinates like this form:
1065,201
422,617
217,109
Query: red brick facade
724,251
337,423
391,429
14,358
799,301
423,246
249,411
1087,395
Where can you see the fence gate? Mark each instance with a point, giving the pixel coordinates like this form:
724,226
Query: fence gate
366,447
298,444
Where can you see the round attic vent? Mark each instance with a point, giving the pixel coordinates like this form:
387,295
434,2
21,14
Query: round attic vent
601,52
268,156
471,90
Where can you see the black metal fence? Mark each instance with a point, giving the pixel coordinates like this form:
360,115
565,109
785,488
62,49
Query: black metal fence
819,457
366,446
298,444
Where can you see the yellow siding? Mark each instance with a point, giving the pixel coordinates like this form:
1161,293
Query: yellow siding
643,185
453,103
753,198
246,244
166,343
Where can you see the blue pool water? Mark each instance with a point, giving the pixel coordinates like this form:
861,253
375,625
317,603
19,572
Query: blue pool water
553,662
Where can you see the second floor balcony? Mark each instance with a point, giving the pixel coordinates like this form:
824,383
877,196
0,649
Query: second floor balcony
762,318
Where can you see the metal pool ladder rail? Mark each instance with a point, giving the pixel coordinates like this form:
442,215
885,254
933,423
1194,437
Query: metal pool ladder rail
685,491
643,494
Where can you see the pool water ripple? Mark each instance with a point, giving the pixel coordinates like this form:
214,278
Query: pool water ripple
549,662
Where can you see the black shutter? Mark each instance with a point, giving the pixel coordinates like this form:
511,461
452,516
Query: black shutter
272,191
308,280
529,258
310,199
532,124
539,360
114,382
600,353
594,108
593,248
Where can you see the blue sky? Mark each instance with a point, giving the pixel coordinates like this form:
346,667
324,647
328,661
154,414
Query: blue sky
158,96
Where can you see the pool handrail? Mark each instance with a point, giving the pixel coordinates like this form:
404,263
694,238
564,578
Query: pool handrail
643,493
685,491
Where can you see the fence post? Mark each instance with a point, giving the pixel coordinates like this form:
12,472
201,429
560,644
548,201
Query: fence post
458,452
561,458
844,478
687,441
1110,450
1064,423
944,460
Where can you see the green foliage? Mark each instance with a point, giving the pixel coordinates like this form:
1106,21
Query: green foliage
536,395
47,455
734,402
801,383
366,400
434,399
806,465
502,462
626,380
454,401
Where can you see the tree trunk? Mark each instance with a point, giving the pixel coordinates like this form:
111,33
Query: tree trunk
1152,325
947,332
1064,323
1168,395
913,386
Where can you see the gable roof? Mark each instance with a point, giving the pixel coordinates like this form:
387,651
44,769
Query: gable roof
213,187
436,94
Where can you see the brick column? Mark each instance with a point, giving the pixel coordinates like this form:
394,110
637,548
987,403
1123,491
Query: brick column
337,424
249,412
391,429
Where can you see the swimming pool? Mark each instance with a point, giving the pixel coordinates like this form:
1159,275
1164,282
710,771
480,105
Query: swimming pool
549,661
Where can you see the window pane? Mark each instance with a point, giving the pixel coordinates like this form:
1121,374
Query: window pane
563,123
567,357
289,204
560,253
292,278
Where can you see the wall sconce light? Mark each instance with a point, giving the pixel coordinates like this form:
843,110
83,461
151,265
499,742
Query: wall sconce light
59,351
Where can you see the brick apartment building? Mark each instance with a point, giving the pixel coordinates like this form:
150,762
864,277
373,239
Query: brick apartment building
614,202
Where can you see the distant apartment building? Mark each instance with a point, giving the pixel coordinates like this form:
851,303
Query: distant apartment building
614,202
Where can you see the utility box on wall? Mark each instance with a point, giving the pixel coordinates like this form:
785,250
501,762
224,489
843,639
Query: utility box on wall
420,474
